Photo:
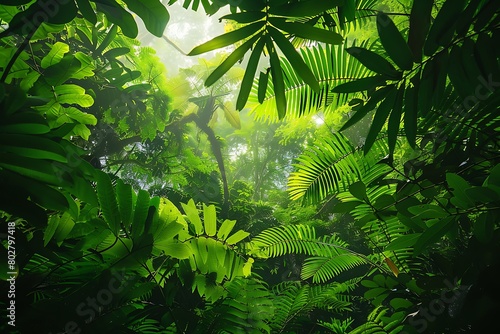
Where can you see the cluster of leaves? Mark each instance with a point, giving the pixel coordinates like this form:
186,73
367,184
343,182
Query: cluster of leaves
430,216
423,196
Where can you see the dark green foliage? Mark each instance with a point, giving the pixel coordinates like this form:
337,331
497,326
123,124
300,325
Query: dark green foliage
416,201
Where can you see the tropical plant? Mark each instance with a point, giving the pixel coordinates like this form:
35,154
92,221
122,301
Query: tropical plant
417,198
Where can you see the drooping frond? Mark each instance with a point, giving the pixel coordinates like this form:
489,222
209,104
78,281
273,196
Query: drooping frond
331,65
472,122
363,13
332,166
294,301
289,305
330,256
379,323
248,308
354,14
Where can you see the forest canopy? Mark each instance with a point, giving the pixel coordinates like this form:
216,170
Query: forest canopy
320,166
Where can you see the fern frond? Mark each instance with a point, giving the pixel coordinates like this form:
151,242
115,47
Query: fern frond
455,123
248,308
365,11
331,165
379,323
330,255
331,66
322,269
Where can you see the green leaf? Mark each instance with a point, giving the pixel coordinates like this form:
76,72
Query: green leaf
248,78
403,241
87,10
110,36
118,15
245,17
459,186
174,249
263,81
107,201
37,169
465,19
395,120
80,117
193,216
457,74
124,197
376,97
152,12
55,55
487,12
140,213
481,195
209,220
168,231
59,73
433,234
420,21
237,237
400,303
307,31
230,61
358,190
116,52
484,227
393,42
443,26
380,118
48,234
345,207
411,109
304,8
426,211
374,62
32,147
232,116
228,38
294,58
278,83
225,229
360,85
372,293
64,227
86,68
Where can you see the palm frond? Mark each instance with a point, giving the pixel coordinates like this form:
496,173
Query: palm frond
331,66
291,303
330,255
331,165
364,12
457,122
248,308
294,301
360,13
379,323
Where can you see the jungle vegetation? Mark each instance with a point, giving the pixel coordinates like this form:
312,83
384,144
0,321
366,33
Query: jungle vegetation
333,169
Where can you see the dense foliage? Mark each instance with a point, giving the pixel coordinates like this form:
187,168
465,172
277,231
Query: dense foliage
137,209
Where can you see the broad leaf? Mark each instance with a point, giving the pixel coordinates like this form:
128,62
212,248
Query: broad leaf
55,55
393,42
152,12
228,38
